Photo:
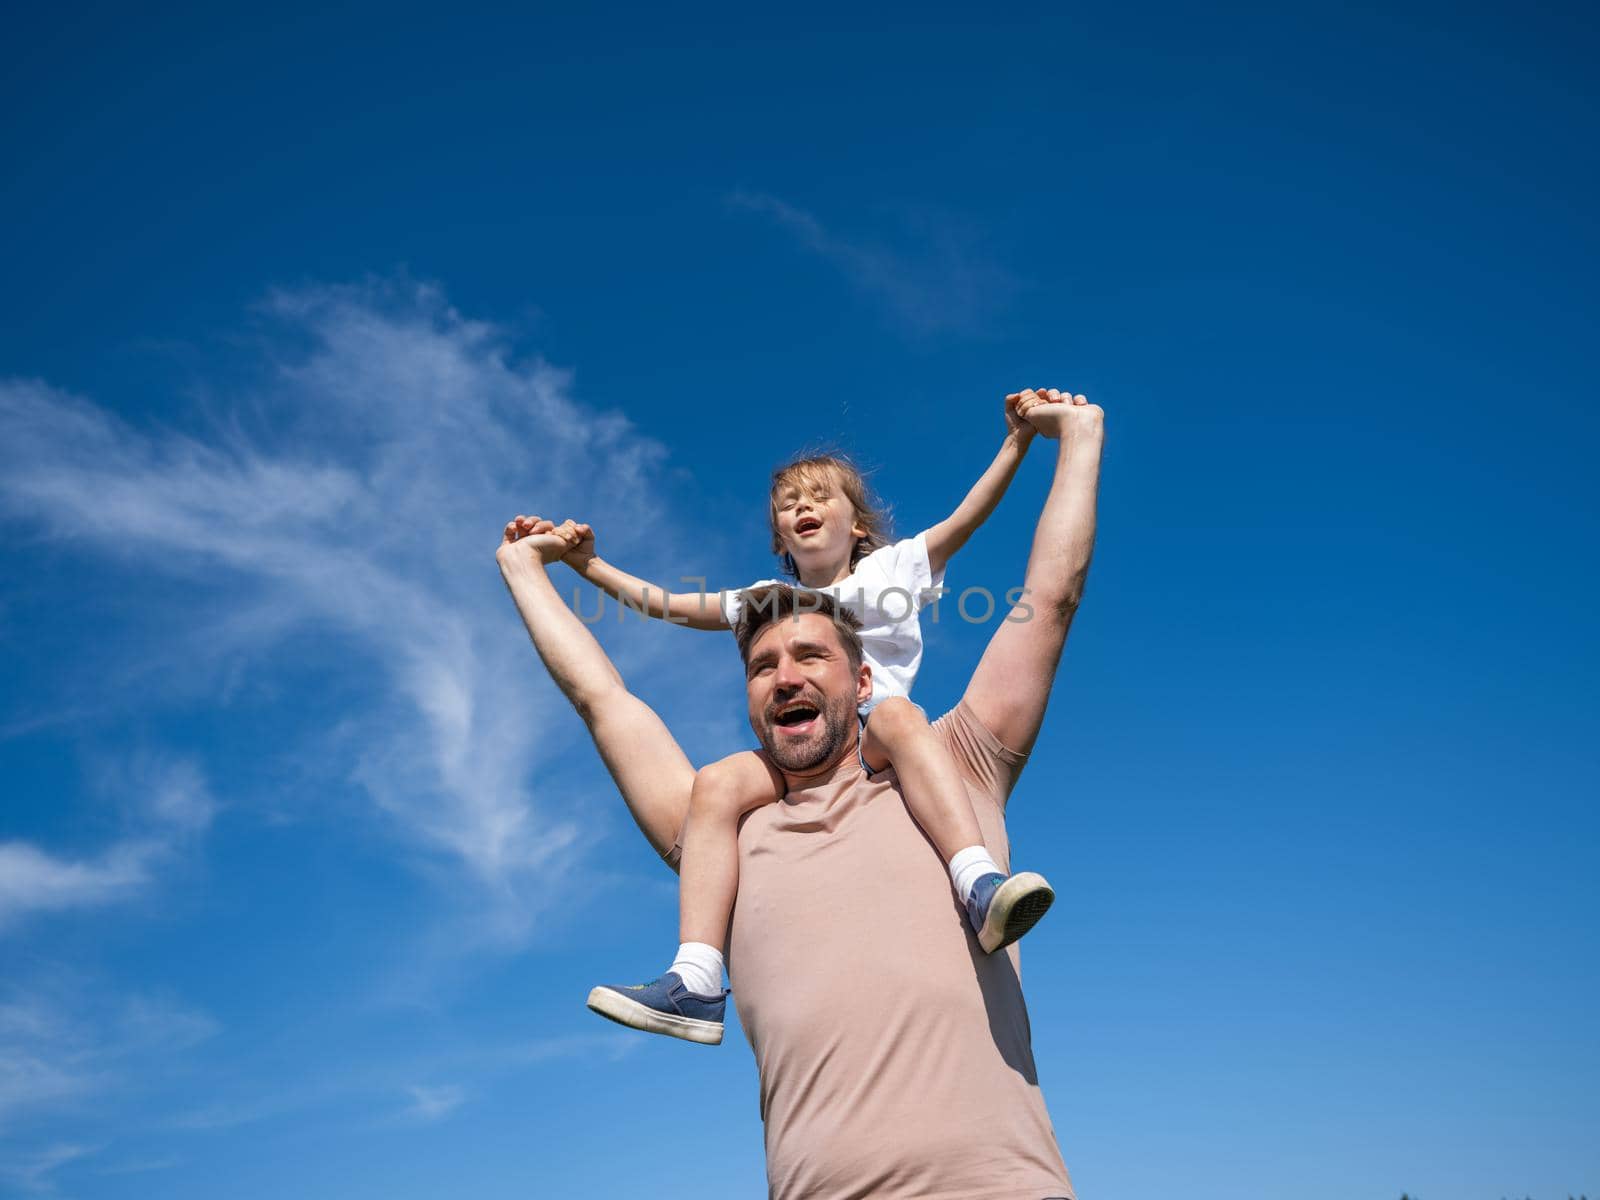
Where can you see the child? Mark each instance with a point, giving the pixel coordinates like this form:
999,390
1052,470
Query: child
829,536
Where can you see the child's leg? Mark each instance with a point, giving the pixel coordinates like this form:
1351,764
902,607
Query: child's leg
708,875
897,733
691,1006
1000,908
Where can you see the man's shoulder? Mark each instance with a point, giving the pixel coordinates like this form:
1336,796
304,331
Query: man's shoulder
989,765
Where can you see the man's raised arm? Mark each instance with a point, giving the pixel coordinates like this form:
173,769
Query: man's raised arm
649,767
1009,690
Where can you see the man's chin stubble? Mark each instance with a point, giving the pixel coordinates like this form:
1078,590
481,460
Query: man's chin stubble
806,759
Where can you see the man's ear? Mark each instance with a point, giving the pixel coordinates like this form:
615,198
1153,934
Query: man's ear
863,685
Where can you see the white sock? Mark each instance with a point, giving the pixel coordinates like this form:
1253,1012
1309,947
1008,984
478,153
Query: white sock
700,968
968,866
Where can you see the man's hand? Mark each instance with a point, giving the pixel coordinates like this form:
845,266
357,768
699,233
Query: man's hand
1055,413
579,556
544,540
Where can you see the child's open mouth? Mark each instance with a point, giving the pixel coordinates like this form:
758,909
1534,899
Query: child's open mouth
806,525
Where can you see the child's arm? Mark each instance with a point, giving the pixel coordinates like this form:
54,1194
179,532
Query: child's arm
950,534
698,610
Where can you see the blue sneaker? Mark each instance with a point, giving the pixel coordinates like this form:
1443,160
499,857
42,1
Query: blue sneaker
1004,907
663,1006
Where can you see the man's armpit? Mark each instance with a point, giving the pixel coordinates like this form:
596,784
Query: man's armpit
990,767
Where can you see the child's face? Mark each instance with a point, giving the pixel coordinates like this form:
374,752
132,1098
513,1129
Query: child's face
817,527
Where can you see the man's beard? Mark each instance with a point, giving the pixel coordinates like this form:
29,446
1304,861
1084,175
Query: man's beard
838,721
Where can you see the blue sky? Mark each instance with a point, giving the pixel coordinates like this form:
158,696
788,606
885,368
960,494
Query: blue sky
302,305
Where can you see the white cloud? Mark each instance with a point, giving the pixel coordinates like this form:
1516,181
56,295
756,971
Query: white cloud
60,1044
169,802
172,792
140,1166
31,1170
479,1065
611,1047
33,881
357,496
149,1025
433,1103
942,281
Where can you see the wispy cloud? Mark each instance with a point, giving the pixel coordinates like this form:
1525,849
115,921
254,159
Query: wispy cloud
937,279
371,1086
34,881
38,1067
31,1170
61,1044
326,529
67,1051
357,494
168,801
140,1166
433,1103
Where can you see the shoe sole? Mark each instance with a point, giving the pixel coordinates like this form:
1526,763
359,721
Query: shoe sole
1015,909
614,1006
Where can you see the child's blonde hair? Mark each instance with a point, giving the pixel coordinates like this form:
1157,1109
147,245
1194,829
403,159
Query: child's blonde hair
819,474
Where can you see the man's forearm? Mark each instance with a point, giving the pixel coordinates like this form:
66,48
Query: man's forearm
569,652
1064,539
648,765
1010,689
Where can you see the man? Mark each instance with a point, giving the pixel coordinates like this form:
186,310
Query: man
894,1057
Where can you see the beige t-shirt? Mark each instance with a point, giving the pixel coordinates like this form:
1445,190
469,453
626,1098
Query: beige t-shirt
894,1056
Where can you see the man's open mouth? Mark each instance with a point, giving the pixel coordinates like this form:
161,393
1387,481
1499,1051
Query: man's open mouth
796,715
807,525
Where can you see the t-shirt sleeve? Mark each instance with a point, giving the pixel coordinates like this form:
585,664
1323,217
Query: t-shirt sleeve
905,565
990,767
733,600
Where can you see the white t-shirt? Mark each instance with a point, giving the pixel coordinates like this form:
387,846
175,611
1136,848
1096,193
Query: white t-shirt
887,591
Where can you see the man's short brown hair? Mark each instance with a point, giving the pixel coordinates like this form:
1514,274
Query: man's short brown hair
763,606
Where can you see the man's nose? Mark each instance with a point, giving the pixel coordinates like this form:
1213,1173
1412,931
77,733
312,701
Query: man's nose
787,677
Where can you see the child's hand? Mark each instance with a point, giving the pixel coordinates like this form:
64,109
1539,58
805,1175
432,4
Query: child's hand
583,550
1055,413
1016,425
537,536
